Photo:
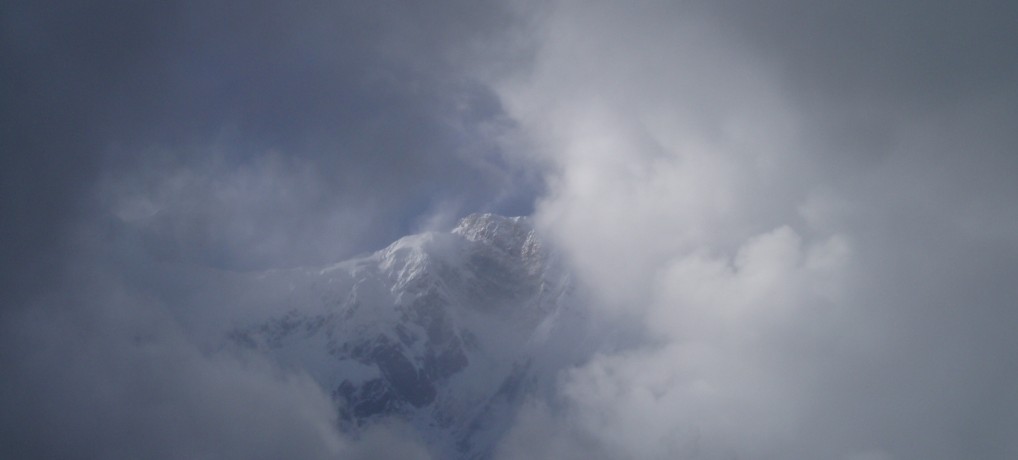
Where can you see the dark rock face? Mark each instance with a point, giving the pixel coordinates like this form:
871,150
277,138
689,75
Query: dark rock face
373,397
401,384
410,383
404,380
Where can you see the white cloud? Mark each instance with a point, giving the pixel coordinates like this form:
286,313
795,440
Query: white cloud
794,304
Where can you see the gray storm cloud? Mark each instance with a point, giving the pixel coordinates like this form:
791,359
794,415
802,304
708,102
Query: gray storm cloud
809,210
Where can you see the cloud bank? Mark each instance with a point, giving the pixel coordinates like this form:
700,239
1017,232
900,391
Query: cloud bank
810,212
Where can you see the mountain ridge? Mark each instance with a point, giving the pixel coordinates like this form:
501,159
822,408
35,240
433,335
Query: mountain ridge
439,329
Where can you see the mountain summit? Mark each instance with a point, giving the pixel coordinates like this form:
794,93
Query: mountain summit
445,331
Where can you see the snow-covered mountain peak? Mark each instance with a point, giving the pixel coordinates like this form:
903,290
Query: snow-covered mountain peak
415,252
439,329
514,236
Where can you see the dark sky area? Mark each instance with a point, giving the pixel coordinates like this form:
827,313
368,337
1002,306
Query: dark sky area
367,100
810,208
145,142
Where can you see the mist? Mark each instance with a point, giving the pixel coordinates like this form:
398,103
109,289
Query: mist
796,222
809,214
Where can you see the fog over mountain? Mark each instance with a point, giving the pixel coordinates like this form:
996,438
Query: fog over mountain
774,230
446,332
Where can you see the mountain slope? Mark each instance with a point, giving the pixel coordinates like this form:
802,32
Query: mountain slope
447,331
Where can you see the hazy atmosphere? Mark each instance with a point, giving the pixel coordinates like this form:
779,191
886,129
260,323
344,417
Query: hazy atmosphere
797,221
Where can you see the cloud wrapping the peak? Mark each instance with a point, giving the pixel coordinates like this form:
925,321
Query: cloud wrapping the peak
800,215
818,260
152,150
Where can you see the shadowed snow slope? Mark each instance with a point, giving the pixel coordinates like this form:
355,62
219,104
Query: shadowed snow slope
445,331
